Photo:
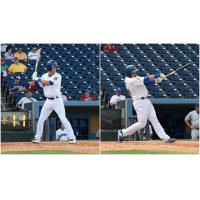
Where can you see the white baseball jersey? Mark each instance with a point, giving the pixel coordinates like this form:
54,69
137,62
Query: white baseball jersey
136,87
50,105
61,134
143,107
193,116
52,90
116,98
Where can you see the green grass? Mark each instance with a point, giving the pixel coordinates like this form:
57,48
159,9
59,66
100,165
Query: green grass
143,152
103,152
41,152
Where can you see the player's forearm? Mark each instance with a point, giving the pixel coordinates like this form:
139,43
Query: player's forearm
187,123
112,103
45,82
18,106
151,78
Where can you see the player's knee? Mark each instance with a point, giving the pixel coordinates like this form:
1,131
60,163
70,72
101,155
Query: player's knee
63,120
141,124
42,119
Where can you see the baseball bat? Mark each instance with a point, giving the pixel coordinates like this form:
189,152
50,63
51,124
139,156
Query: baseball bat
38,59
182,67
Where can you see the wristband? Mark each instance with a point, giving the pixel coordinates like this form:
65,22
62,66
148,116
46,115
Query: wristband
50,82
39,79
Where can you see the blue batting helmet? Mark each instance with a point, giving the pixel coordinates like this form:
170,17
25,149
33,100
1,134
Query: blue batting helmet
129,69
50,64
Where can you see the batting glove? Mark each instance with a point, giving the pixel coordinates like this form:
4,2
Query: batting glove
162,76
34,75
158,80
35,78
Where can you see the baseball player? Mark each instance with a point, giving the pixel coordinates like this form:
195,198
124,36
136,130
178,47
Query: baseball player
61,134
192,121
51,84
136,86
117,97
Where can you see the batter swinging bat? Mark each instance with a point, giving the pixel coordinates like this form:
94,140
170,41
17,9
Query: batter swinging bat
38,59
182,67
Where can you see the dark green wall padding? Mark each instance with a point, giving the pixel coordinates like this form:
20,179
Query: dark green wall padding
17,136
108,135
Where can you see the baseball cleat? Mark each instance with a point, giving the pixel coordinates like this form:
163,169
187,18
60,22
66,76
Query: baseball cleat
72,141
170,140
120,136
35,141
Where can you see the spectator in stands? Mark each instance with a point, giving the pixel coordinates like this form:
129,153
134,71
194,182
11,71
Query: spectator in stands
32,86
27,99
117,97
109,48
4,66
192,121
17,67
32,55
20,54
16,85
61,134
104,98
87,96
3,48
8,54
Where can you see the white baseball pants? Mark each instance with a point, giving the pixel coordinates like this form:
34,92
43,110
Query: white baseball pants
145,111
195,134
49,106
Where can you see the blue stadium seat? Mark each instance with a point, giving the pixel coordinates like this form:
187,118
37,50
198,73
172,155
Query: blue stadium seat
149,58
74,60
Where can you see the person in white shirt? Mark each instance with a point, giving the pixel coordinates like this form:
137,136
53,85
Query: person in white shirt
61,134
8,54
3,48
27,99
192,121
136,87
51,84
117,97
32,55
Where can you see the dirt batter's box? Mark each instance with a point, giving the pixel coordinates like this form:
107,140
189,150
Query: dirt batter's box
84,117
